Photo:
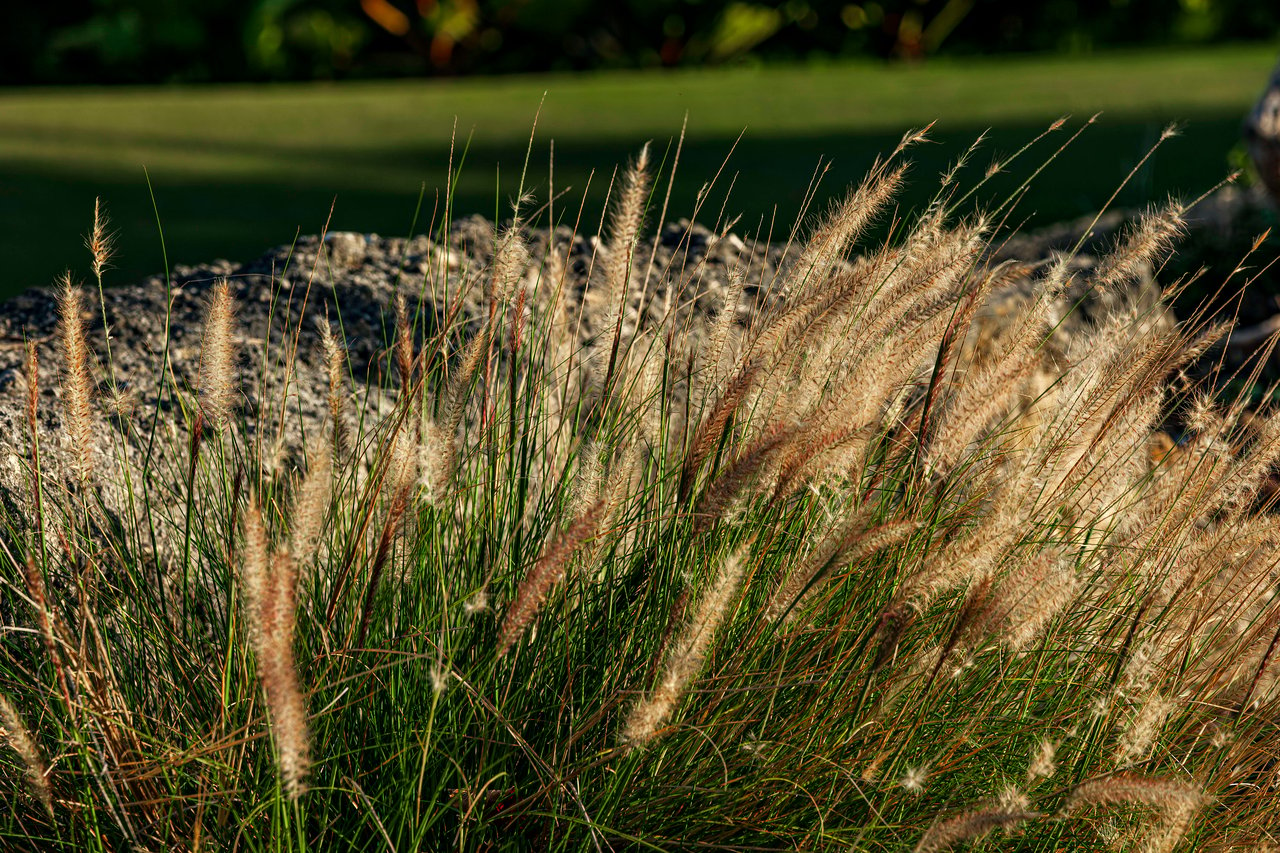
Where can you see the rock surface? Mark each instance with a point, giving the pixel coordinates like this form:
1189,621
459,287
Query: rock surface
350,278
353,279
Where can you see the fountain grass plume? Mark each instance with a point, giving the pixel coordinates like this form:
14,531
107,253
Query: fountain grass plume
688,655
78,387
216,382
24,745
269,583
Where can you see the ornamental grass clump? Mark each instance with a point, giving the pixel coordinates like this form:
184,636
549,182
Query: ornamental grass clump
821,547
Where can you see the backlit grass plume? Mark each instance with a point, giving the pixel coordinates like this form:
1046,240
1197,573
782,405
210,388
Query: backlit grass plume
216,382
687,656
335,360
78,388
269,584
23,744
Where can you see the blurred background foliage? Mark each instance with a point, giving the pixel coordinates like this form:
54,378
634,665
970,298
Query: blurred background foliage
821,85
159,41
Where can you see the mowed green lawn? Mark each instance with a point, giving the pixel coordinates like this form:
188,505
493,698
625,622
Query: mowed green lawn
237,169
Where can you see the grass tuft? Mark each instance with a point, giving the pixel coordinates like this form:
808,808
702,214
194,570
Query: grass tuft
856,546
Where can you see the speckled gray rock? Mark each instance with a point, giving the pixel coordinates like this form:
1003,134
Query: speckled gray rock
352,279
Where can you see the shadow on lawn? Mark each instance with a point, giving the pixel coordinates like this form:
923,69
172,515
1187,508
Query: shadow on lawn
44,213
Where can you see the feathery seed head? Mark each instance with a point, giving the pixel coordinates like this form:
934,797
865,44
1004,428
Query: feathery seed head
477,603
1177,802
546,574
335,360
1043,761
277,669
913,136
218,358
914,779
406,451
687,656
31,373
624,231
432,478
848,544
842,227
269,584
1135,788
1203,416
23,744
719,338
38,594
456,393
588,485
1138,671
944,835
403,343
77,385
100,241
121,402
311,509
255,568
510,261
1011,799
1151,237
1035,595
1144,729
439,678
871,772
